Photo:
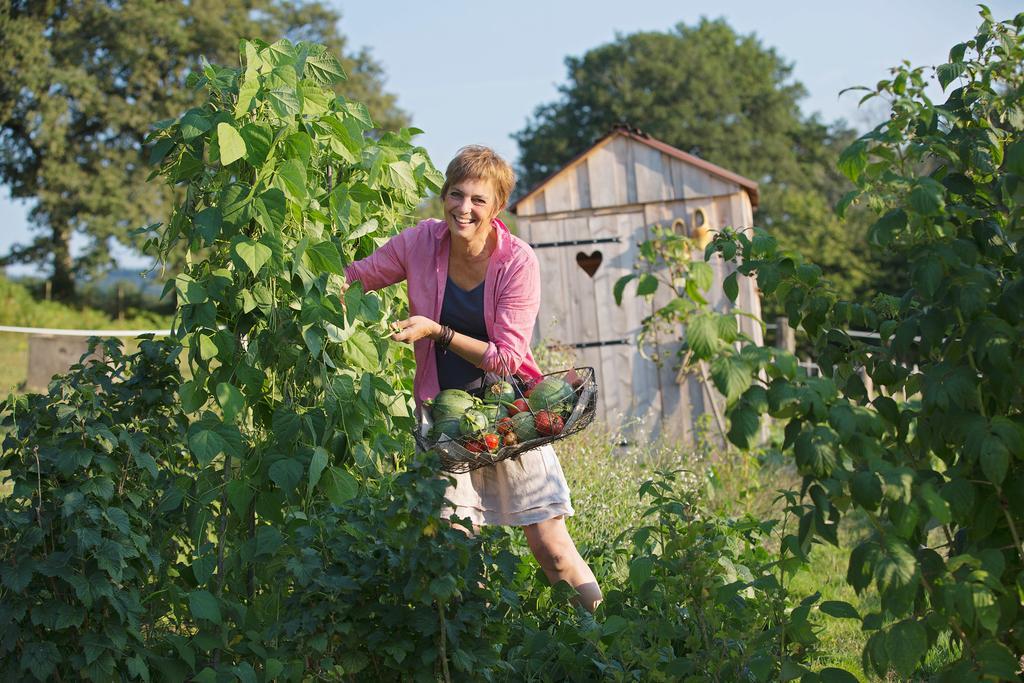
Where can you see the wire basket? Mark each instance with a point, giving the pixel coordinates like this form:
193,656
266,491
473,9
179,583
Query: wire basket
458,455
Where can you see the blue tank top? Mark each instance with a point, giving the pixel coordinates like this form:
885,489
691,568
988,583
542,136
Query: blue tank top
463,312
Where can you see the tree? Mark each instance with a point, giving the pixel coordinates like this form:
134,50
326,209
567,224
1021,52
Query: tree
84,82
726,98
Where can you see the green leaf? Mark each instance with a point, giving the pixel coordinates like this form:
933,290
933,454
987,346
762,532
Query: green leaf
316,467
274,668
995,459
339,486
906,644
853,160
401,175
762,245
997,660
727,327
314,100
207,675
208,224
268,540
702,274
236,205
292,175
927,197
284,99
361,351
189,291
16,577
239,495
731,287
252,254
845,201
866,489
324,68
648,285
928,275
204,606
286,424
207,349
896,572
882,231
702,336
40,658
947,73
831,674
839,609
936,504
247,90
231,400
271,207
205,445
620,285
202,567
366,228
744,423
232,146
324,257
731,376
193,124
640,570
815,452
808,273
286,473
258,139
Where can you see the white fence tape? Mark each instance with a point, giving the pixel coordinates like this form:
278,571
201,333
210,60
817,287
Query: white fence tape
83,333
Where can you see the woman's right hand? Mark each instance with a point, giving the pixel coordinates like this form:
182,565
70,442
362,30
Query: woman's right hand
415,328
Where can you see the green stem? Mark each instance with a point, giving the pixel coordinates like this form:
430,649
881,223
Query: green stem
1013,530
443,643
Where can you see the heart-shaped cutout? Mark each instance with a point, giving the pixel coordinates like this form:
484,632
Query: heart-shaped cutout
589,263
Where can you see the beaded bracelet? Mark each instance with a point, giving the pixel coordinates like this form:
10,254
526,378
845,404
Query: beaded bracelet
445,337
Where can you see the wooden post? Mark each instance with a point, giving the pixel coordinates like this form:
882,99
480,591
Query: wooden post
785,336
120,300
50,355
47,290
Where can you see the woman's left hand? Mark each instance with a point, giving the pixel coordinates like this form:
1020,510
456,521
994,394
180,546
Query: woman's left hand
415,328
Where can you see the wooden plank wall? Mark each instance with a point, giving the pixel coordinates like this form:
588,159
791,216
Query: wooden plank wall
618,190
578,308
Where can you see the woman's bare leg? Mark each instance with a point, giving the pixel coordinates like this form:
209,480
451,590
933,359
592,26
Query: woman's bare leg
551,544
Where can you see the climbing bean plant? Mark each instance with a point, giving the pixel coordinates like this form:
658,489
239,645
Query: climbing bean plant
293,383
919,431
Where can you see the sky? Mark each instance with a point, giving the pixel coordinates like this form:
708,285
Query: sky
473,72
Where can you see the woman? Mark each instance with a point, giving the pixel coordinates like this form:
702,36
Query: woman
474,293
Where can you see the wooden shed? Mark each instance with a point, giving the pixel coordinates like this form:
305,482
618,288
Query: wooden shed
585,223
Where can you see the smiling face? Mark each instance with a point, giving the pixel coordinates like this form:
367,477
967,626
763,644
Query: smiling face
469,208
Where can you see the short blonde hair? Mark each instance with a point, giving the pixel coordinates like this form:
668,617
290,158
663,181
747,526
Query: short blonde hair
476,162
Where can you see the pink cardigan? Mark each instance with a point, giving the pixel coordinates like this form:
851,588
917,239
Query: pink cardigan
419,255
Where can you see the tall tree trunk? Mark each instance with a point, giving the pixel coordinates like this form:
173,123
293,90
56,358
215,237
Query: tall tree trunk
63,279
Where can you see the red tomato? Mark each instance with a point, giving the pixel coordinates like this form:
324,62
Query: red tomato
492,442
518,406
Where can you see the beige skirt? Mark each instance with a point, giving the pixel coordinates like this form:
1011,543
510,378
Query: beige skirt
526,490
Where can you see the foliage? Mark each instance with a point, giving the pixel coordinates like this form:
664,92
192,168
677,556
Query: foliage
84,80
292,396
19,308
920,430
265,519
384,588
695,597
726,98
82,527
